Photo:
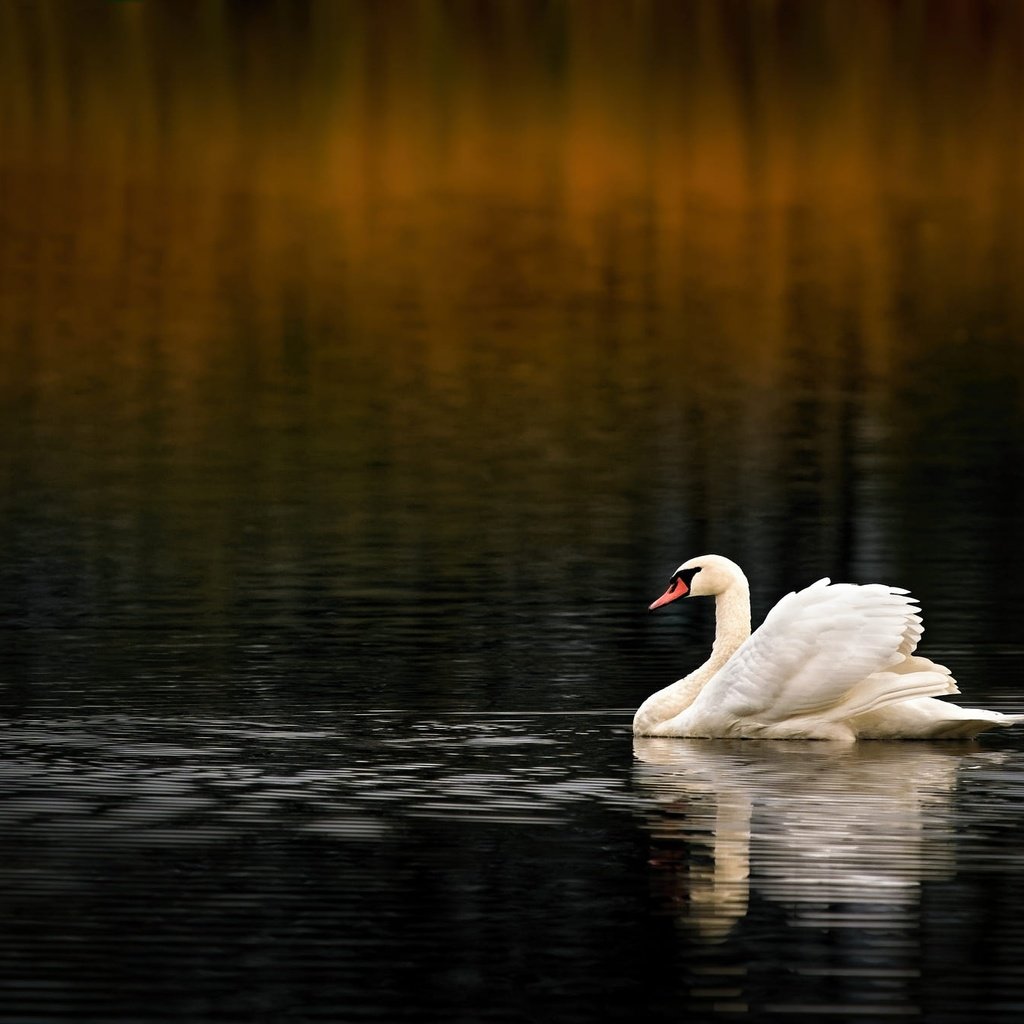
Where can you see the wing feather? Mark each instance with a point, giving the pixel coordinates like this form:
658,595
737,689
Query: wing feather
830,650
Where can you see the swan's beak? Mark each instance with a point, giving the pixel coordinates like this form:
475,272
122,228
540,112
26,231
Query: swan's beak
676,589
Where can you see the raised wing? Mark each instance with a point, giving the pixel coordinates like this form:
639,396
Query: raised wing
829,651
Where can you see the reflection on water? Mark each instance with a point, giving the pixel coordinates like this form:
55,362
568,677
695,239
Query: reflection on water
496,864
844,839
334,284
808,825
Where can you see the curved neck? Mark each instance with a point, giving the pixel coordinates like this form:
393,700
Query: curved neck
732,627
732,621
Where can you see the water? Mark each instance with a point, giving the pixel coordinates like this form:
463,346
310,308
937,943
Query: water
373,865
363,377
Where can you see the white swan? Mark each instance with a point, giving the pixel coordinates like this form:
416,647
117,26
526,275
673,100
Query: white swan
831,662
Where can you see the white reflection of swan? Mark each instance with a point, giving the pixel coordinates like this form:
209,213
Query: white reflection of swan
803,824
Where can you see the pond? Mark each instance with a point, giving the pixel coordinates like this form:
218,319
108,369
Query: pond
363,379
354,865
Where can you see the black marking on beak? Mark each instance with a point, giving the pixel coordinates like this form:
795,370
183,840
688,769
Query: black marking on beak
686,575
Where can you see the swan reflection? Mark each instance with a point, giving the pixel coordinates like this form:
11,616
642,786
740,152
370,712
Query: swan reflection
807,825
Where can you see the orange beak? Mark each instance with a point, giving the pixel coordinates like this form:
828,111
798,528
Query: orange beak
676,590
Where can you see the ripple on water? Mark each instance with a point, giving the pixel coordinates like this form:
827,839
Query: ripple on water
841,842
349,783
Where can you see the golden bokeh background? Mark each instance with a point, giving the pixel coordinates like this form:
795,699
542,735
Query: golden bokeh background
321,151
363,276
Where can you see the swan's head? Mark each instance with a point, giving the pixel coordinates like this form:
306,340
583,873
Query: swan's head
705,575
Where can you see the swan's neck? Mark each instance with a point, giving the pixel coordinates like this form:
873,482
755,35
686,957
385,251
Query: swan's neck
732,627
732,622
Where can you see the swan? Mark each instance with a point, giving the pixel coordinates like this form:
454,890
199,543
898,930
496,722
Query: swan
834,661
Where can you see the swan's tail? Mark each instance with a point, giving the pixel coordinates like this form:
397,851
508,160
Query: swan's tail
930,719
974,722
993,719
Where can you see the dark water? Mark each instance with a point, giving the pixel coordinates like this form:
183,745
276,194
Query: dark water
364,371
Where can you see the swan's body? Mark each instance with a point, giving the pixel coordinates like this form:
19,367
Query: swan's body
831,662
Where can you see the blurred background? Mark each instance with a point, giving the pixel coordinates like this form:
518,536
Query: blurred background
366,368
393,354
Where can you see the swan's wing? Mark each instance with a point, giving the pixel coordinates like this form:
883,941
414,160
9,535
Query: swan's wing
815,652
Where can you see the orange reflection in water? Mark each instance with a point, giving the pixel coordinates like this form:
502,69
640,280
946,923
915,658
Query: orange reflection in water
242,132
587,208
710,178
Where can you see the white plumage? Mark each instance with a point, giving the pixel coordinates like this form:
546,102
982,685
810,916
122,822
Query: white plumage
832,661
